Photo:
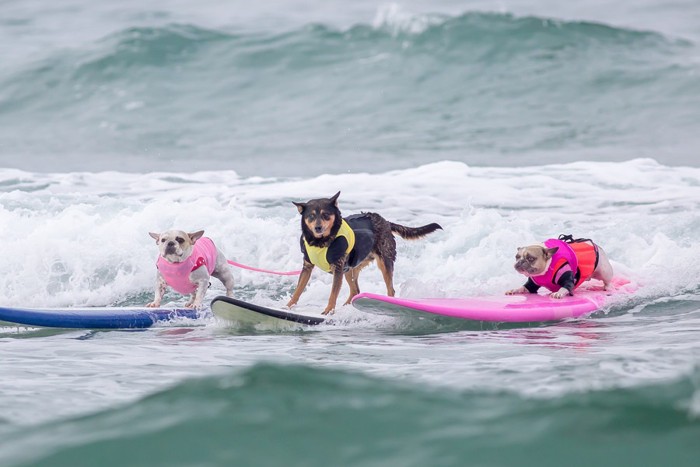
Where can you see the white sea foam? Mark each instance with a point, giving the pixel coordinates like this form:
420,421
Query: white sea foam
82,239
397,20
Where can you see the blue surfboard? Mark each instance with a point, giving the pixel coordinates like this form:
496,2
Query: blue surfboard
94,317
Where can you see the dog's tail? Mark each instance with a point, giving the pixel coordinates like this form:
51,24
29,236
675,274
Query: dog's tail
411,233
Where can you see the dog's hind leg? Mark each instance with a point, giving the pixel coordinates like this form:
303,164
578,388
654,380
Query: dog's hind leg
351,279
604,271
353,275
387,268
226,278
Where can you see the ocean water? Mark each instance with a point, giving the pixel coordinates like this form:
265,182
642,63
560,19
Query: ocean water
507,122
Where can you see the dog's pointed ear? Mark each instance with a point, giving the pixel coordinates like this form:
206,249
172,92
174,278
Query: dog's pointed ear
334,199
549,252
194,236
300,206
154,235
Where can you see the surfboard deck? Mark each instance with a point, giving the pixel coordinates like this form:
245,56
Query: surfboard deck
239,312
94,317
497,308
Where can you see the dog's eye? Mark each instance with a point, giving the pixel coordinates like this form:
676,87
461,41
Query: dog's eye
530,259
311,217
180,240
162,240
325,216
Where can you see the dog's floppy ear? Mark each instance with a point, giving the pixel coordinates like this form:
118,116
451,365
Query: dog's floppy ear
300,206
194,236
154,235
549,252
334,199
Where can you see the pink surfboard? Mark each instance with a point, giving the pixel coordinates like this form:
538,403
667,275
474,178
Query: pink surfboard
499,308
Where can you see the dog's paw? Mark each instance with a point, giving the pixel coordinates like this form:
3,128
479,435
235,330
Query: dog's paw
153,305
559,294
519,290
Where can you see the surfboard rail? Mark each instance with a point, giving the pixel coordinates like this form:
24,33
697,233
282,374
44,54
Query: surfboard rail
238,311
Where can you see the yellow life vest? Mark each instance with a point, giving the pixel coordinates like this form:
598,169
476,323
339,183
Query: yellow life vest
317,254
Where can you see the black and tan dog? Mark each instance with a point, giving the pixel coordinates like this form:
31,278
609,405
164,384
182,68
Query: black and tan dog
345,246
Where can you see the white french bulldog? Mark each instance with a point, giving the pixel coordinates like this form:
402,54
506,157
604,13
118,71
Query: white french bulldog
186,262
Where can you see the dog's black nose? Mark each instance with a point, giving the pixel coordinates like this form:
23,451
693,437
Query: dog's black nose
318,229
171,243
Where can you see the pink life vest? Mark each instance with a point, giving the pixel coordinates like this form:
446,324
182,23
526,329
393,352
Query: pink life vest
177,275
563,260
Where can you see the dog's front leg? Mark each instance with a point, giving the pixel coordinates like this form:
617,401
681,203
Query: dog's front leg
222,271
198,295
337,270
561,293
160,291
520,290
200,278
301,284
